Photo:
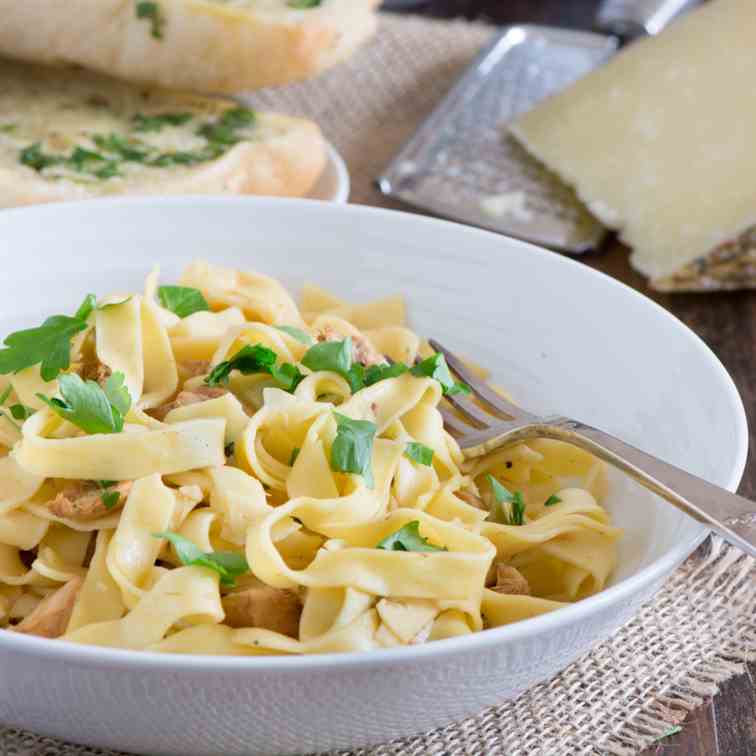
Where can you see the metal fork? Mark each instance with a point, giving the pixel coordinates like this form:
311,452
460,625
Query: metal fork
502,423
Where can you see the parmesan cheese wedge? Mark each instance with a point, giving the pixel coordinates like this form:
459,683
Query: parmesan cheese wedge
197,45
67,135
660,145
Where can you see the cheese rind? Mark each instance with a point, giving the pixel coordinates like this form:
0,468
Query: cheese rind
226,46
57,128
659,144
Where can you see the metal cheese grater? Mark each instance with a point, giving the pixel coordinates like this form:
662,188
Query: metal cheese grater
462,163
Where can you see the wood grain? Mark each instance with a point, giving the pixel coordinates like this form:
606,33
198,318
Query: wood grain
725,726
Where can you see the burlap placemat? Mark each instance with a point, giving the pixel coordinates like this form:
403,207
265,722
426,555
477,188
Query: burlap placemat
697,632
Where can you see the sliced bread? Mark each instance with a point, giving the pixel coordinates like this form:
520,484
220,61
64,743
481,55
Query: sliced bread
223,46
68,135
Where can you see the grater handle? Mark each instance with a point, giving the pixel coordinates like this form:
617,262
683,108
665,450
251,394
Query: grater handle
636,18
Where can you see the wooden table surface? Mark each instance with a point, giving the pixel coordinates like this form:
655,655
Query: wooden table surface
726,725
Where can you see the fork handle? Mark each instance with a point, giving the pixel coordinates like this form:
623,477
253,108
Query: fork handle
730,515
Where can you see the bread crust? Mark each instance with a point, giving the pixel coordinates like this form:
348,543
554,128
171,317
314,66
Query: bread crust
205,46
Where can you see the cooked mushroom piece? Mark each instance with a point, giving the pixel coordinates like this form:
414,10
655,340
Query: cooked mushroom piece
185,398
87,499
262,606
50,618
508,580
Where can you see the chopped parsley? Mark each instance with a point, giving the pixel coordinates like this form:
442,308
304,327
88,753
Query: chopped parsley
222,133
130,151
17,411
80,160
419,453
248,360
352,449
117,149
336,357
332,356
33,157
296,333
552,500
108,498
227,564
294,455
508,508
182,300
435,367
7,128
408,538
146,123
89,406
377,373
21,411
303,4
49,344
151,12
256,359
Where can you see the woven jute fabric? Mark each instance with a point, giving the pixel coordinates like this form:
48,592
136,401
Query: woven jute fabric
696,632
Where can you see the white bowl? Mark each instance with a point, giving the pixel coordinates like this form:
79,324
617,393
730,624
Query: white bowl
333,184
561,336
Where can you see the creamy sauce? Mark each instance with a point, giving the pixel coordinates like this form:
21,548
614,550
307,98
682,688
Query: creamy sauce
61,113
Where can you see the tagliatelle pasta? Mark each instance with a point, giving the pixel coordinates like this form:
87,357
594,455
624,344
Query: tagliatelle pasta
207,468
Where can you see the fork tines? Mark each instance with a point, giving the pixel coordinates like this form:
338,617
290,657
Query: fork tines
489,408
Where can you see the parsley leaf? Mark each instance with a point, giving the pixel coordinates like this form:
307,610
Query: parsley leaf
50,344
151,11
117,393
303,4
435,367
157,122
182,300
296,333
238,118
21,411
34,157
333,356
87,307
288,376
419,453
514,513
108,498
248,360
377,373
256,359
227,564
336,357
80,160
223,131
90,407
3,399
552,500
121,147
352,449
408,538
